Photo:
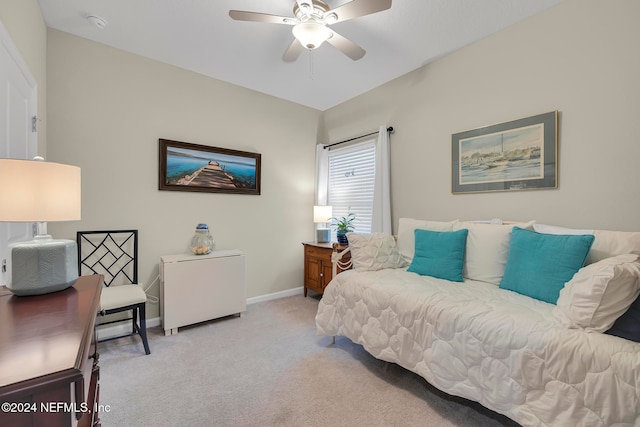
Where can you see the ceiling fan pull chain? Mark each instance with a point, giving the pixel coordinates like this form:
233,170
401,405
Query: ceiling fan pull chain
311,65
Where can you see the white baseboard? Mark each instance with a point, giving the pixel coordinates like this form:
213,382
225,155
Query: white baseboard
115,330
276,295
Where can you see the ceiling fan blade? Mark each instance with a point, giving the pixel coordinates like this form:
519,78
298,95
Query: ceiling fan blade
356,8
346,46
241,15
293,51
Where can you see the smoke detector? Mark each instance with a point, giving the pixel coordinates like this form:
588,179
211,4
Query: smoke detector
97,21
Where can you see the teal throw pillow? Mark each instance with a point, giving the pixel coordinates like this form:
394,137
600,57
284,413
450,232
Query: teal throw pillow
540,264
439,254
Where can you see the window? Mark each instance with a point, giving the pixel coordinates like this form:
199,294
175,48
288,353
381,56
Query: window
351,182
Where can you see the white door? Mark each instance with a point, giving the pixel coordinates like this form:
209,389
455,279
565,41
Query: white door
18,140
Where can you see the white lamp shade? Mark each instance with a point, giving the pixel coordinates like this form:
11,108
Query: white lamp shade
311,34
322,214
38,191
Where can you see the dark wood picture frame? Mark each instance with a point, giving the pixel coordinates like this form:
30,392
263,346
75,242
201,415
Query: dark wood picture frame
192,167
517,155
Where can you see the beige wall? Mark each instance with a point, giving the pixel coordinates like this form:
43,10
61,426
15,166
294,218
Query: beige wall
23,20
580,58
107,110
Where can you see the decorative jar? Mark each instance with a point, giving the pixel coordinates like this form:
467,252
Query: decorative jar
202,243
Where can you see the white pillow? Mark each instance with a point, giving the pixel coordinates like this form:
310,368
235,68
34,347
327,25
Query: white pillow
606,244
611,243
599,293
406,236
487,250
553,229
496,221
371,252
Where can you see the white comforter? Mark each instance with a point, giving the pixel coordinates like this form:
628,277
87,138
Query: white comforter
499,348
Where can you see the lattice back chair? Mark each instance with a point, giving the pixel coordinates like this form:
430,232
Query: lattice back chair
114,254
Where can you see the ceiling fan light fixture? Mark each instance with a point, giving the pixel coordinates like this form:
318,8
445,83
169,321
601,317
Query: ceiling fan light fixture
311,34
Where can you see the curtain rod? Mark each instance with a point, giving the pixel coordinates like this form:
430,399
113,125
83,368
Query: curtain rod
389,129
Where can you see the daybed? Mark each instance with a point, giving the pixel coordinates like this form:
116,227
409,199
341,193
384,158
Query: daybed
541,360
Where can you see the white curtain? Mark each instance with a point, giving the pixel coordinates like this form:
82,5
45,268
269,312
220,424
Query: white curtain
322,175
381,219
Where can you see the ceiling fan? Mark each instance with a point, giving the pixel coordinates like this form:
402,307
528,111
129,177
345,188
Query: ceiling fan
311,20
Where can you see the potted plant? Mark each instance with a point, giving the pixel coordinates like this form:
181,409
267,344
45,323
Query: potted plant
343,226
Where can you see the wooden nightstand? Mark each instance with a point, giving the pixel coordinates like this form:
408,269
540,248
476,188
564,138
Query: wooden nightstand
317,265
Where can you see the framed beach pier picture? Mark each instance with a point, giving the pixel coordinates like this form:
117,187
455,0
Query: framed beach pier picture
193,167
517,155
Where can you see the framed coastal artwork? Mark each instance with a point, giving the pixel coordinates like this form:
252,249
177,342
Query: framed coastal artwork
192,167
517,155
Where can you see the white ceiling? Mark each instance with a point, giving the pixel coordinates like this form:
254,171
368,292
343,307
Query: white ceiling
199,35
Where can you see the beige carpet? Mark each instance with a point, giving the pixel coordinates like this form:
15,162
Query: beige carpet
268,368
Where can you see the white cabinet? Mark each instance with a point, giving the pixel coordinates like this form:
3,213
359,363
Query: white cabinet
195,288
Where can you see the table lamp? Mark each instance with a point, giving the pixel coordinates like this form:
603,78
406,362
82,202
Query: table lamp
322,215
38,191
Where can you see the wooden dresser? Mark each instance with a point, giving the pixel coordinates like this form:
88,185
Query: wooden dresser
317,265
48,357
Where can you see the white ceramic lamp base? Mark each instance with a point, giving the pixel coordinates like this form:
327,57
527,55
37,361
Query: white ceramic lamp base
323,235
43,265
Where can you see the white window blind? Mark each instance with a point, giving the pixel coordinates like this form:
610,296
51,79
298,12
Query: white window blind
351,183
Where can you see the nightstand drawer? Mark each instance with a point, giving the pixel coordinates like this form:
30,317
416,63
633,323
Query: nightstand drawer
318,252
